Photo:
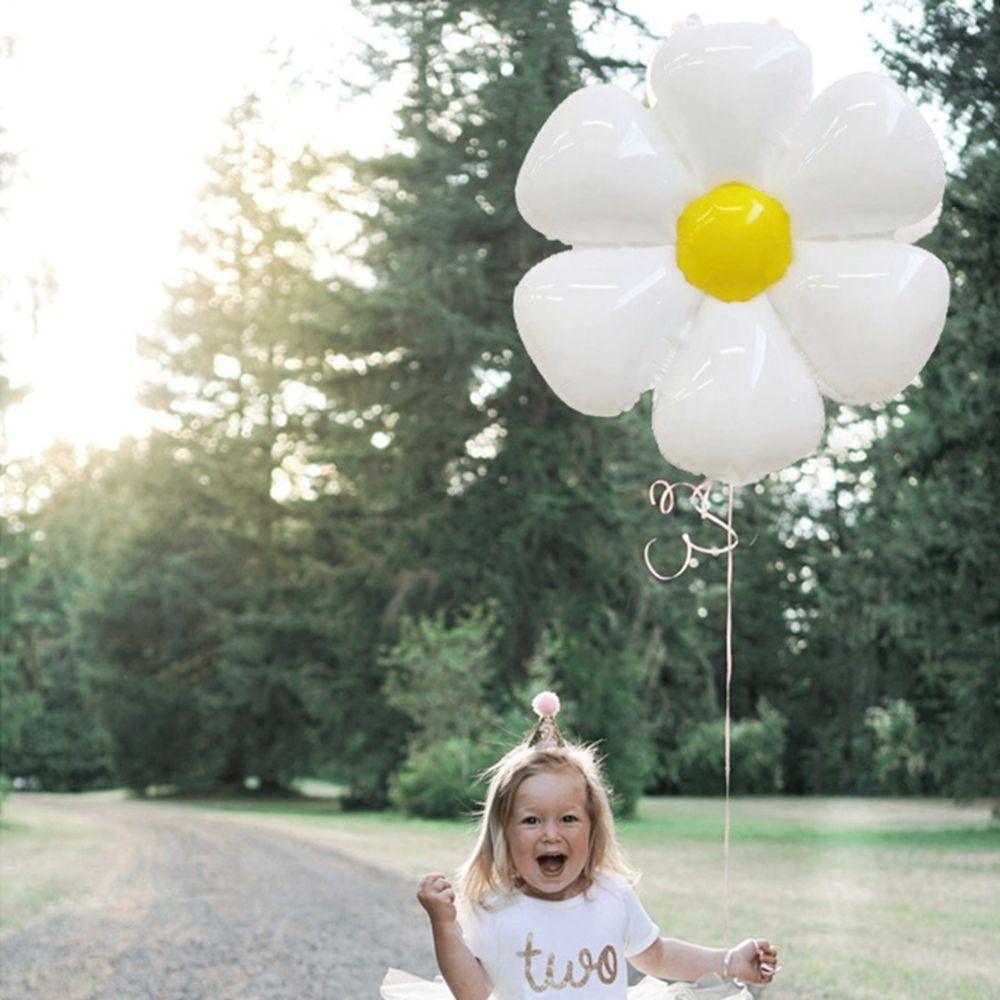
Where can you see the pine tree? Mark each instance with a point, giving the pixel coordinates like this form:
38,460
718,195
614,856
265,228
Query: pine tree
60,528
463,478
927,541
237,362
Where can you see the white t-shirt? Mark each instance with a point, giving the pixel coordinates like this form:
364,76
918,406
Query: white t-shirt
534,946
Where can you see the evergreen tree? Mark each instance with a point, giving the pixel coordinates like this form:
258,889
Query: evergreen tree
60,527
347,447
924,562
464,479
237,362
942,453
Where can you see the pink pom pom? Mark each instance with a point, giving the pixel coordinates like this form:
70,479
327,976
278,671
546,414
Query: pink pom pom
546,703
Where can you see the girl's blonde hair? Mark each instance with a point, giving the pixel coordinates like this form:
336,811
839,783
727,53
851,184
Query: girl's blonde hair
489,870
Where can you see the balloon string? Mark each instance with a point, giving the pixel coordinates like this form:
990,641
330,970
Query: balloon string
729,683
662,495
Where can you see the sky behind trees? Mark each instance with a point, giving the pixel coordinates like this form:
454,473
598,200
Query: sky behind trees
113,108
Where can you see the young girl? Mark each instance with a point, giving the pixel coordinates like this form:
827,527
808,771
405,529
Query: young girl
547,898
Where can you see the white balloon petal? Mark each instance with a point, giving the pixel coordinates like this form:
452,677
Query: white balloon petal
867,314
738,401
602,171
725,93
601,324
918,230
862,161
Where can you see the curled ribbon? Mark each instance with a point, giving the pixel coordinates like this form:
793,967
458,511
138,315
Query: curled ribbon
699,500
662,495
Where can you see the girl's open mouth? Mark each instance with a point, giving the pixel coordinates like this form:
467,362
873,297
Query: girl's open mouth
551,864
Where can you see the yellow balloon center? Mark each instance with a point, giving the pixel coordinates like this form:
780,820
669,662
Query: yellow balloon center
733,242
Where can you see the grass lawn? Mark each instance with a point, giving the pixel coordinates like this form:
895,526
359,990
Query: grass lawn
48,858
865,898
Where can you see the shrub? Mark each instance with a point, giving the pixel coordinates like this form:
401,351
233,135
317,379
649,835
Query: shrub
440,780
436,675
898,762
758,747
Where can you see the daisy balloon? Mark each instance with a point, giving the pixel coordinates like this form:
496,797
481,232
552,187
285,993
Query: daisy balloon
736,248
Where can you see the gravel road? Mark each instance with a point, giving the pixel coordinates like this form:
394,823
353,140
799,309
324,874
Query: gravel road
194,905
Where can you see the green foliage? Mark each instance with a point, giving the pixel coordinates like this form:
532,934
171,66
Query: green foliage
436,676
892,591
20,704
198,686
353,454
898,761
757,751
469,470
602,685
440,780
155,631
217,621
55,554
925,543
63,747
945,51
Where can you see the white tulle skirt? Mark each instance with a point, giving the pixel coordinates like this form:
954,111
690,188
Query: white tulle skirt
402,986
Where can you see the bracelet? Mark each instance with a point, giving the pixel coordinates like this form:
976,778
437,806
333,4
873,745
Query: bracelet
725,963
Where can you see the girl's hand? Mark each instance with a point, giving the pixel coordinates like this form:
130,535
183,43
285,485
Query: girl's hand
438,898
754,961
